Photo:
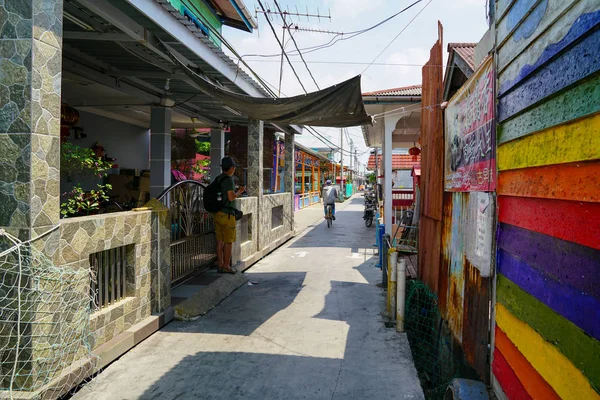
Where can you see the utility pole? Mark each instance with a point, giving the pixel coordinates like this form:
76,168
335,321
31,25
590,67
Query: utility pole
356,166
352,164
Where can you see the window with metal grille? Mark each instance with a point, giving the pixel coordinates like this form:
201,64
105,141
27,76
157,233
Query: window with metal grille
110,269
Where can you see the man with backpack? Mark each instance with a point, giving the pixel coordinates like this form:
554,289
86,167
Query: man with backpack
218,198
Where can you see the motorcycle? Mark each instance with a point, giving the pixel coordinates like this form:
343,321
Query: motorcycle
370,207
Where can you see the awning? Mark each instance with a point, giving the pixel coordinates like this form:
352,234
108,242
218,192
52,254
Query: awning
337,106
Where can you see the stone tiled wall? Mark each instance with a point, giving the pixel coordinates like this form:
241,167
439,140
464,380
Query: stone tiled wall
263,235
148,264
267,235
289,173
30,78
255,158
30,90
243,250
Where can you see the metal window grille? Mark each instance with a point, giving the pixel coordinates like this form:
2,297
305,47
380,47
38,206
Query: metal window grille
110,268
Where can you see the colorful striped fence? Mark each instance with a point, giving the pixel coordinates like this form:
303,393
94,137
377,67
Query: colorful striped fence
547,312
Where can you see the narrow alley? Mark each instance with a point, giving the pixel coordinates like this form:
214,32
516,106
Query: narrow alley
309,328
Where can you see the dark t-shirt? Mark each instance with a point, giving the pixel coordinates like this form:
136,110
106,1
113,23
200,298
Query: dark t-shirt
227,184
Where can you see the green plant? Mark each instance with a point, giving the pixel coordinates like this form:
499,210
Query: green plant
78,201
203,148
199,166
371,178
76,159
80,160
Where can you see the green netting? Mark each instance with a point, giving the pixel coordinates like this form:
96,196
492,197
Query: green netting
432,351
44,318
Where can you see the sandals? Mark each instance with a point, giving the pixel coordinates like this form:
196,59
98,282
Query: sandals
227,271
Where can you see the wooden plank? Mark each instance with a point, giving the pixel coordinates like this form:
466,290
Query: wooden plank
550,255
582,350
432,140
520,58
476,321
532,382
569,67
575,141
511,385
558,218
566,380
576,102
577,182
581,309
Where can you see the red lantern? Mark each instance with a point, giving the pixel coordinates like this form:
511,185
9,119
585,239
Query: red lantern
414,151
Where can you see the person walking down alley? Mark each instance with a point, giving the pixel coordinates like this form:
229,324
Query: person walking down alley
225,222
329,195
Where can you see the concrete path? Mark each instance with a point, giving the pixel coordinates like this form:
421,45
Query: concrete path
308,217
310,328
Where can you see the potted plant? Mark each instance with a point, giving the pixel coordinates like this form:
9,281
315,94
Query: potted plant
77,202
77,160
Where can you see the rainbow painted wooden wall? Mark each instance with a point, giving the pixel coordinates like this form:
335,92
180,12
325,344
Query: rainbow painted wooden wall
547,309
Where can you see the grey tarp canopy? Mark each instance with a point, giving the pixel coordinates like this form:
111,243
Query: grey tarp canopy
337,106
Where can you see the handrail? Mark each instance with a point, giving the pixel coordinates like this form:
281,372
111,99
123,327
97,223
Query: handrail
177,184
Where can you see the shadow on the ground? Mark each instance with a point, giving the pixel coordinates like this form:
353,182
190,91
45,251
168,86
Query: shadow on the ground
275,292
359,374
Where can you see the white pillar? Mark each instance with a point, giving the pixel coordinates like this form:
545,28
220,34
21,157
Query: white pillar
160,150
400,294
217,151
387,185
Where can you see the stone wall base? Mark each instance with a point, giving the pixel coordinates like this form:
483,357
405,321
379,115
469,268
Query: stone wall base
103,355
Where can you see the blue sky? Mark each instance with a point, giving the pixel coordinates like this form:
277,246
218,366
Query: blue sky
463,21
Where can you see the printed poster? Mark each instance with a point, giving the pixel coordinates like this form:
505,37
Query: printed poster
470,135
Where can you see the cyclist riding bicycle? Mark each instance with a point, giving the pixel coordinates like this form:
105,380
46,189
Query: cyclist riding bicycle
329,195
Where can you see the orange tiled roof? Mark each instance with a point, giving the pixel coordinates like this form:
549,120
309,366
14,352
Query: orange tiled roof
399,161
466,51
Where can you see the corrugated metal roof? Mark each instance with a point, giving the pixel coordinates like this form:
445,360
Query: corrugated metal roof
414,90
200,35
399,161
466,51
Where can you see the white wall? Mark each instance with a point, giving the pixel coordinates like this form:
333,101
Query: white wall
129,144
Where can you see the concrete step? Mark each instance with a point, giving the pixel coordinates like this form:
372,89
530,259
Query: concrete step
204,293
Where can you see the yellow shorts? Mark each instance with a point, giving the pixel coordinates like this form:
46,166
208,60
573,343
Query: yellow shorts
224,227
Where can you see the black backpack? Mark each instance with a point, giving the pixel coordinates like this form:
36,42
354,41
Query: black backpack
213,197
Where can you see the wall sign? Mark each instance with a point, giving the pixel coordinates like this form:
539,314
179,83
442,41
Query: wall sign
470,135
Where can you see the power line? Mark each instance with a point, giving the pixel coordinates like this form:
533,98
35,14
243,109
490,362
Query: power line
299,52
281,46
324,139
358,63
396,37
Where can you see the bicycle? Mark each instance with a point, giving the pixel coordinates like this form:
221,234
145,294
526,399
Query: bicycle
329,216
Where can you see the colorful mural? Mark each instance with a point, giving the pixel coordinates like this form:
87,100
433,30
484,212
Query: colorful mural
470,134
547,311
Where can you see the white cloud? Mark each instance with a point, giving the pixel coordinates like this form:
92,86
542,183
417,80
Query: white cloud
352,8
